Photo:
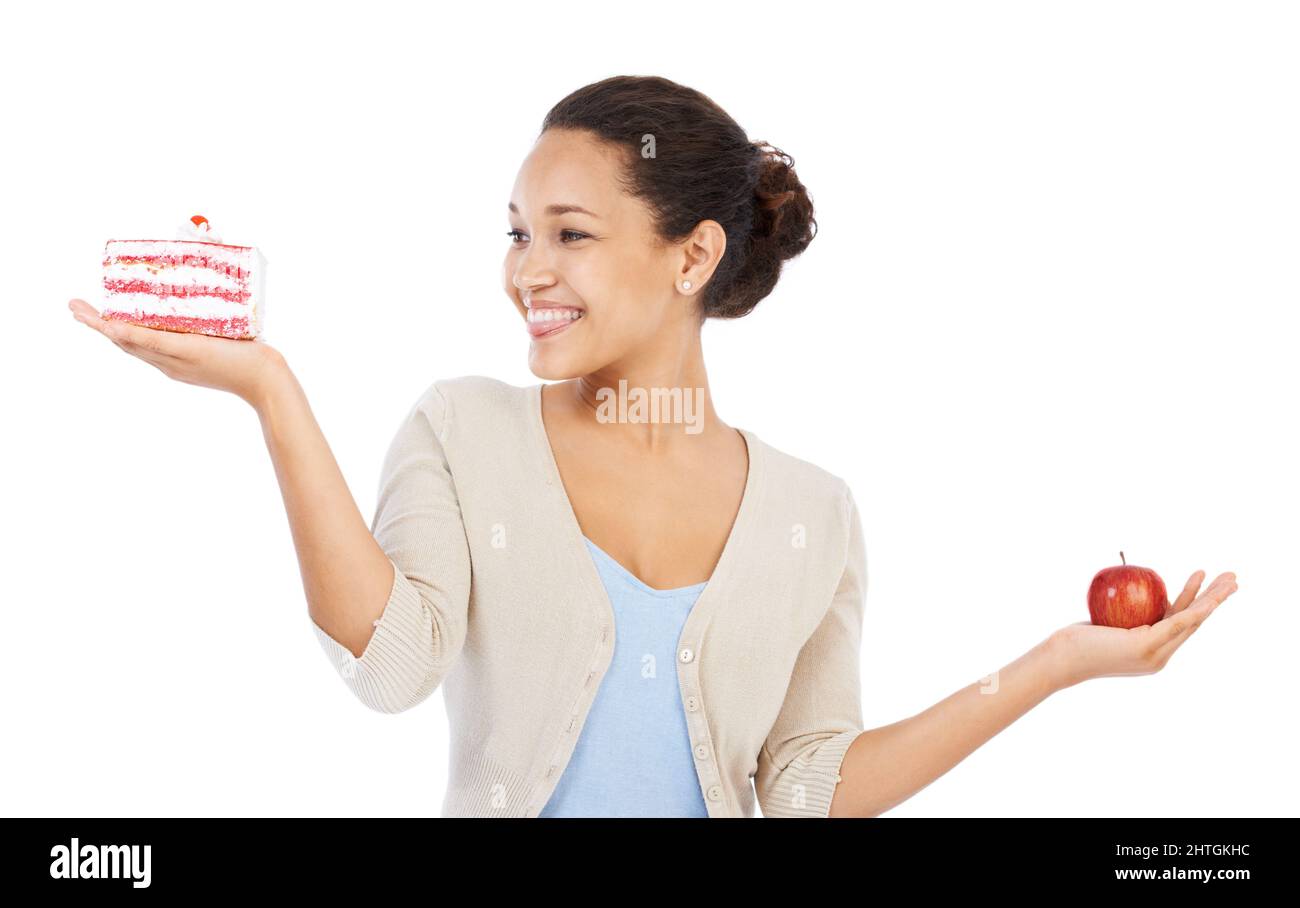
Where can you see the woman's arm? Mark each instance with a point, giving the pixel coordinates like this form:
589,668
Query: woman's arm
389,602
347,577
885,766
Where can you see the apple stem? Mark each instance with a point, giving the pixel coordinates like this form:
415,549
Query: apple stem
1122,561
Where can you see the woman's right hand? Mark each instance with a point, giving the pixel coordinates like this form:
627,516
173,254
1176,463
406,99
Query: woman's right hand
243,367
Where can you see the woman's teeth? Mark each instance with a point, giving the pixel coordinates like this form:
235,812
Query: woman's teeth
553,315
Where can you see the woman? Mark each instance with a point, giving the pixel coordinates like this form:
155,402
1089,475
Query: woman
546,553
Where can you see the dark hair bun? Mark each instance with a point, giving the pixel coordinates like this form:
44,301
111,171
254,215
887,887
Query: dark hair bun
783,227
785,210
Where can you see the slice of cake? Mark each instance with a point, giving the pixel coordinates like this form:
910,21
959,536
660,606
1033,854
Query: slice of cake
194,283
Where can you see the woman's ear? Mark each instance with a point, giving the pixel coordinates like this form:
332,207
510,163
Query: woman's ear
701,253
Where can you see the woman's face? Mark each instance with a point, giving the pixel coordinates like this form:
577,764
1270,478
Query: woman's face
604,261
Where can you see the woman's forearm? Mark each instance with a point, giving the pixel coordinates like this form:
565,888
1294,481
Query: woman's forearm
345,574
885,766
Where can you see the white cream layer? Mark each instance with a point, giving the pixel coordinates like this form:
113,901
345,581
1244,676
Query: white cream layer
176,275
190,307
232,254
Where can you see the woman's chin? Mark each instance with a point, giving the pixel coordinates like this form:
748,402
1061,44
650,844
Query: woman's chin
550,366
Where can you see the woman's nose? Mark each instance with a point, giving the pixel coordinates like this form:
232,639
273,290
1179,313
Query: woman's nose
533,268
526,280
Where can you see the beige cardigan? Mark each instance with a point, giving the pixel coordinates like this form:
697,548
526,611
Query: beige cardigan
496,599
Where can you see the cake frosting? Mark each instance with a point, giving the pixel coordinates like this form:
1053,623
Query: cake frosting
193,283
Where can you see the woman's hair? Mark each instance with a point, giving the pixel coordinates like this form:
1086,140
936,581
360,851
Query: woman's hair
688,161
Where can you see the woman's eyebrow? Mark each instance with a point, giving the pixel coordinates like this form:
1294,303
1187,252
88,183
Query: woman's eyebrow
561,209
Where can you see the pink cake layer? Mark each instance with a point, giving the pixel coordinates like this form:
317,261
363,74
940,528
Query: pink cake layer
232,327
178,291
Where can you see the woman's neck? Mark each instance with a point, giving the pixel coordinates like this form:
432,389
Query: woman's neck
651,407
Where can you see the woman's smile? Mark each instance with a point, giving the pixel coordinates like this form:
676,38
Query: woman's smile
549,320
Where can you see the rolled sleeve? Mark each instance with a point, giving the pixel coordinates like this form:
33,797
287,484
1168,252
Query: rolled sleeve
799,763
418,524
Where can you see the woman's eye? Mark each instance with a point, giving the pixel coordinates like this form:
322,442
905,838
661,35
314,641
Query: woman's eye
516,235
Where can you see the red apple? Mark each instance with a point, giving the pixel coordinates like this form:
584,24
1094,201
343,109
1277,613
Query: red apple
1127,596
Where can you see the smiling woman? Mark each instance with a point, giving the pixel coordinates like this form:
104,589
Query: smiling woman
642,210
630,616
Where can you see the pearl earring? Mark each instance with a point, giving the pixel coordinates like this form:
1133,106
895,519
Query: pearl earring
686,285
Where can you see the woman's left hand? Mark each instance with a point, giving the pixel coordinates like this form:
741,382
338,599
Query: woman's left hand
1088,651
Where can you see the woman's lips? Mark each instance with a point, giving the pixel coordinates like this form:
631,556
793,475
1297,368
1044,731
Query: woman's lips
553,326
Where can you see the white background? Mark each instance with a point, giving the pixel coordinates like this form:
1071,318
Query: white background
1051,313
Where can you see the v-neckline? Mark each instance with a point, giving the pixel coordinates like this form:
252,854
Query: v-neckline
739,527
640,584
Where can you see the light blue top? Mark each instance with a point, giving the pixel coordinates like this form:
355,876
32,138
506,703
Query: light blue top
633,757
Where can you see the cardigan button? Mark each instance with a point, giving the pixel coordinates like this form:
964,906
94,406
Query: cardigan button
692,703
715,793
702,751
686,654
